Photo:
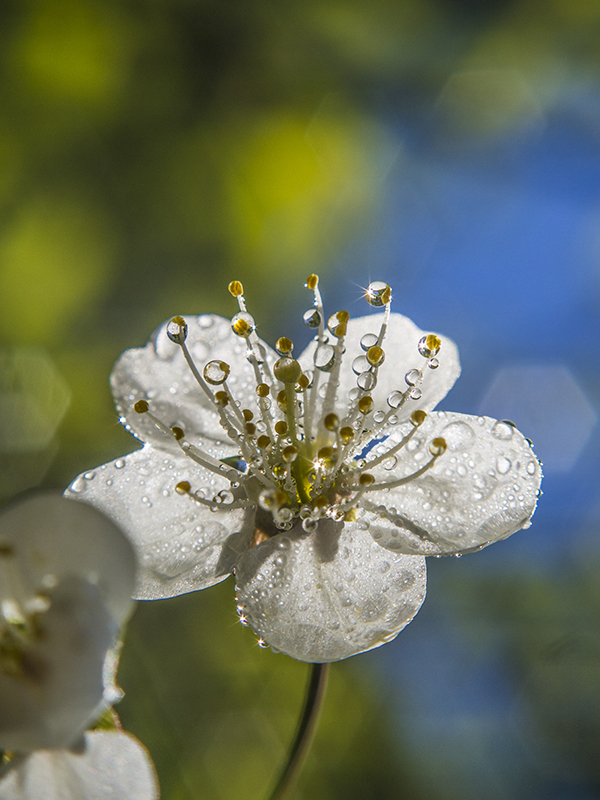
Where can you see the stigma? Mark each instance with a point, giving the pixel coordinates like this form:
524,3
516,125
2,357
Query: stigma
306,449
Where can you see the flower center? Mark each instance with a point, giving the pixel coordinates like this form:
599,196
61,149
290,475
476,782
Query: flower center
305,452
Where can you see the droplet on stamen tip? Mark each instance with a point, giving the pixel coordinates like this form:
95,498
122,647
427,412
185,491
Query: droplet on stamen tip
429,345
177,330
337,323
378,294
438,446
183,487
141,407
242,324
216,372
331,422
418,417
284,346
375,356
236,288
287,370
365,404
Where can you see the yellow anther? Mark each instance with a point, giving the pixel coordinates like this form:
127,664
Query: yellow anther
263,442
247,414
429,345
366,479
236,288
375,356
312,282
343,316
418,417
250,428
303,382
282,400
351,515
281,428
325,453
222,398
340,330
320,503
179,321
178,432
242,327
289,453
365,404
378,294
141,407
346,434
284,346
183,487
438,446
262,390
287,370
331,422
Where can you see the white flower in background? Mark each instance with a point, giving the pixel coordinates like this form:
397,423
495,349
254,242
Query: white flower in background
66,577
321,482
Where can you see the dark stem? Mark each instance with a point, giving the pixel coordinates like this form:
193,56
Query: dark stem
315,694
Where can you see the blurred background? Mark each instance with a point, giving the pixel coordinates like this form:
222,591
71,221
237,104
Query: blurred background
152,151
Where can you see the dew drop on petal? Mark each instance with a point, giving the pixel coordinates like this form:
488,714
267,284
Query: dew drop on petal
503,465
503,429
458,435
119,463
531,468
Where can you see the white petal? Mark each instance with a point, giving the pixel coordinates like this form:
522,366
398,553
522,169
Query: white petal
159,373
112,765
181,545
328,595
48,535
402,355
59,685
483,489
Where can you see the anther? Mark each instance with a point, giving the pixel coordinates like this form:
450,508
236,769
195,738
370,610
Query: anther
141,407
281,428
289,453
366,479
365,404
282,400
284,346
287,370
331,422
263,442
262,390
375,356
346,434
418,417
429,345
177,330
303,383
236,288
242,324
222,398
438,446
183,487
325,454
378,294
178,432
250,428
247,414
337,323
312,282
216,372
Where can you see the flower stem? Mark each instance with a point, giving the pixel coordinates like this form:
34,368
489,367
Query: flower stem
307,727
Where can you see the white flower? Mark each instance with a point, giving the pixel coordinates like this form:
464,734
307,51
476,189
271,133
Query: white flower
66,577
321,482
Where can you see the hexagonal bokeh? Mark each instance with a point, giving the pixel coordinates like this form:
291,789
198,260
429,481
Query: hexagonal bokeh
33,400
548,406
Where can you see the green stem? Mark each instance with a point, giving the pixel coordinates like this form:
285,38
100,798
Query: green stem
315,694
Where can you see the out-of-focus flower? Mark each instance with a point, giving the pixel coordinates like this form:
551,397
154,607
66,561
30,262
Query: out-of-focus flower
66,577
321,482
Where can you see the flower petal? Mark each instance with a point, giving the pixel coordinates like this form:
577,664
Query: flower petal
51,684
181,545
46,535
482,489
159,373
112,765
330,594
402,355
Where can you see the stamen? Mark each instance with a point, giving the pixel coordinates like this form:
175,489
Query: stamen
417,419
436,448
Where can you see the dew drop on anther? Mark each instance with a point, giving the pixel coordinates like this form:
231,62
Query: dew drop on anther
378,294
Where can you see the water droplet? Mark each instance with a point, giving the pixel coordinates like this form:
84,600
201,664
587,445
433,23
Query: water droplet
379,416
366,381
433,363
531,468
503,465
416,393
503,429
458,435
310,525
412,377
395,399
78,485
119,463
324,357
311,318
377,293
429,345
89,475
360,365
368,341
